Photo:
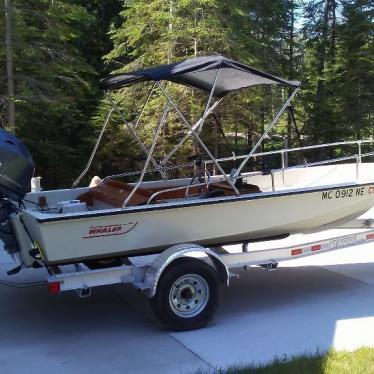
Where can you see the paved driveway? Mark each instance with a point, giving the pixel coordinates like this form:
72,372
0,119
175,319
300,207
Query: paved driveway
307,305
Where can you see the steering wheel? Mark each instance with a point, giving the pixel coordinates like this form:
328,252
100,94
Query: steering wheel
202,176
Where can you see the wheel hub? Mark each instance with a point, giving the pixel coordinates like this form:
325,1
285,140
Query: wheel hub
189,295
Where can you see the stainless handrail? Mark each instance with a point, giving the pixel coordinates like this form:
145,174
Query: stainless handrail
218,180
289,150
356,157
331,160
272,172
233,158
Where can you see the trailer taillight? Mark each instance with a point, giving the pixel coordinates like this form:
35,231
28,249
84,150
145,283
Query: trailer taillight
296,252
315,248
54,287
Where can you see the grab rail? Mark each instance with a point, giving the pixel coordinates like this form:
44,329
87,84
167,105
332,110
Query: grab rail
282,153
233,158
187,187
272,173
357,157
289,150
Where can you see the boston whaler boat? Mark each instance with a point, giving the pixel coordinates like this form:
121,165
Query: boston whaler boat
102,225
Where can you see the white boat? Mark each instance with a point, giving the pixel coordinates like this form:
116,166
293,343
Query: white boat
114,219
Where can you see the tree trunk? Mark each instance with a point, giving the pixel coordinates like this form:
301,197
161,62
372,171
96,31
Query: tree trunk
322,48
9,67
170,50
333,31
291,69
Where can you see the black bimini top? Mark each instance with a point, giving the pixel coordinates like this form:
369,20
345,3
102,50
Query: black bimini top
200,72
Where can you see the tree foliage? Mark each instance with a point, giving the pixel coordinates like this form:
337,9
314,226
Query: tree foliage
62,47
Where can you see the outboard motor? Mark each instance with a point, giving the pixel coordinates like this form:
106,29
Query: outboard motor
16,167
16,170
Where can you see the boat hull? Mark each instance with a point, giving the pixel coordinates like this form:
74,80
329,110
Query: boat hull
141,230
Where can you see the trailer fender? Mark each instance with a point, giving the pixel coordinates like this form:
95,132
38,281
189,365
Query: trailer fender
164,259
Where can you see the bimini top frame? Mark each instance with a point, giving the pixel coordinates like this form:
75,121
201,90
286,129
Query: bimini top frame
216,75
199,72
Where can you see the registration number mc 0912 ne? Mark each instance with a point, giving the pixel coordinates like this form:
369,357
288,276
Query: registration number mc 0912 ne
343,193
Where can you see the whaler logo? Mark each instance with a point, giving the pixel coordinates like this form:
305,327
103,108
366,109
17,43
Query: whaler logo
109,230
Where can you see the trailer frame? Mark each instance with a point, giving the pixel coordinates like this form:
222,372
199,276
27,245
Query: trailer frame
147,277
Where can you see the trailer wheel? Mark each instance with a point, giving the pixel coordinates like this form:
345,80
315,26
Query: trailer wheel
187,295
102,264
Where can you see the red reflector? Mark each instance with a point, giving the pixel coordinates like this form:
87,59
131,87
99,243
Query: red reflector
54,287
316,248
369,236
296,252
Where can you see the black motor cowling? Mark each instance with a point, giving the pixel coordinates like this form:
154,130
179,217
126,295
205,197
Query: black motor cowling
16,167
7,236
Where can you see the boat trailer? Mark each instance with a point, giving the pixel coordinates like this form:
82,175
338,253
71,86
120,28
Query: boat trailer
182,282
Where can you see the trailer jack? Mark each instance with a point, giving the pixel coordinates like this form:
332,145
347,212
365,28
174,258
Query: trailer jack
271,266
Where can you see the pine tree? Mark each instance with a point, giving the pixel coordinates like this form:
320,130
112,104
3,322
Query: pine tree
319,96
54,91
167,31
355,86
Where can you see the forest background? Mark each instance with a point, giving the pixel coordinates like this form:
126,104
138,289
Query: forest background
60,49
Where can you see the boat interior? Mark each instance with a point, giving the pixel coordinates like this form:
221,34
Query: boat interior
112,194
115,193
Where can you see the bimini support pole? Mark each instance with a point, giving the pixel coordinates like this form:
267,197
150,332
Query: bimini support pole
196,136
194,127
94,149
156,136
135,135
145,104
266,132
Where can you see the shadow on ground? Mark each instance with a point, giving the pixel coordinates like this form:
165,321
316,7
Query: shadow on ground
294,310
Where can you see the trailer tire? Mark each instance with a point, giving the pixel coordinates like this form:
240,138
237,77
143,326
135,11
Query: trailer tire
187,295
102,264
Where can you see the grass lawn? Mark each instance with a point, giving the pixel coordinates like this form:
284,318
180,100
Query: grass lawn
360,362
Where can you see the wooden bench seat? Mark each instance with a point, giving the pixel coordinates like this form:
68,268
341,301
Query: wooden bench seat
114,193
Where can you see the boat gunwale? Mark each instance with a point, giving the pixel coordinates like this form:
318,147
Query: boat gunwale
191,203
